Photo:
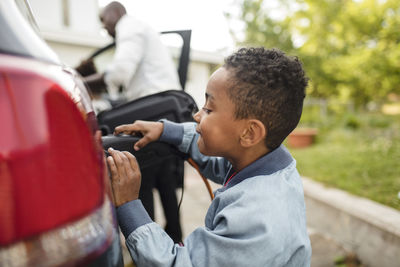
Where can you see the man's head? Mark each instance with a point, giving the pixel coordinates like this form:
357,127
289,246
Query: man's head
269,86
110,15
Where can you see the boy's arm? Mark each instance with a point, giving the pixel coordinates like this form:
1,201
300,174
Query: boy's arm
236,234
237,229
184,136
150,131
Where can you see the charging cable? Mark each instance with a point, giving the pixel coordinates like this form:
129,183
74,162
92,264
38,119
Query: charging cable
194,165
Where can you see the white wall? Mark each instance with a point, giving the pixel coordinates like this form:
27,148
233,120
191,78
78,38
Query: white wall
82,15
82,20
48,14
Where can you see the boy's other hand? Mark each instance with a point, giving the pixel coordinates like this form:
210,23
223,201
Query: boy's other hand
125,176
151,131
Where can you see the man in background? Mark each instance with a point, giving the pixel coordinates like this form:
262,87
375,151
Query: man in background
141,66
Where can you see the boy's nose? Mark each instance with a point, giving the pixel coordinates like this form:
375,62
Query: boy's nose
197,116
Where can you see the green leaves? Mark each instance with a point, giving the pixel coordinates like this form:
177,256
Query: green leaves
350,49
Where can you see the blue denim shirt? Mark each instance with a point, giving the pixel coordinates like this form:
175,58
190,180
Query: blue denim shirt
257,219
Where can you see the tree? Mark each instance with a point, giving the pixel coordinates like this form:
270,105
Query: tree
350,48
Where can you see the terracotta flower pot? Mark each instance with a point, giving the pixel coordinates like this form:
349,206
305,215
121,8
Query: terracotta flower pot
302,137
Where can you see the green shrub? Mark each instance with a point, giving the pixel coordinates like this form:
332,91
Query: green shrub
352,122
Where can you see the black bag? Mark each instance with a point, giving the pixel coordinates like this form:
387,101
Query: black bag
174,105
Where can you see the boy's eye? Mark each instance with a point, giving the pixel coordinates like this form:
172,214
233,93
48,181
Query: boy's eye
206,110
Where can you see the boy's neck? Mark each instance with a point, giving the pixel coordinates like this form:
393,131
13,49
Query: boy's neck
246,156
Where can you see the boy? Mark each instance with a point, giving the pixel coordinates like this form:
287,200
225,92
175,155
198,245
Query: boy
258,216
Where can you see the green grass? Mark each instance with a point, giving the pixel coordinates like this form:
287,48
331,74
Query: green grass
357,153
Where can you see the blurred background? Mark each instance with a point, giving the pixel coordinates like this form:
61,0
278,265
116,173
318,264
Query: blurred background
350,127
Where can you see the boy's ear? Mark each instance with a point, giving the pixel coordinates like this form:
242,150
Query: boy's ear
253,133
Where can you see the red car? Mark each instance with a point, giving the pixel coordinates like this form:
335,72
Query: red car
55,199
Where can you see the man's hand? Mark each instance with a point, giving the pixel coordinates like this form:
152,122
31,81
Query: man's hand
86,67
96,83
125,176
150,130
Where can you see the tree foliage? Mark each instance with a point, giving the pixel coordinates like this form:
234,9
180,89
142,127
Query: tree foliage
350,48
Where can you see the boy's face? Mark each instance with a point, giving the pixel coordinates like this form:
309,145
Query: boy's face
219,130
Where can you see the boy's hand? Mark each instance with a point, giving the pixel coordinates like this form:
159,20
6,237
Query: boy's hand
150,130
125,176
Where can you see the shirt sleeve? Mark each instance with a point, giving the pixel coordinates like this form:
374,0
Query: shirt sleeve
132,215
184,136
130,42
149,245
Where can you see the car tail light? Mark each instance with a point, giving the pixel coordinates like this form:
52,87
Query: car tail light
73,243
53,204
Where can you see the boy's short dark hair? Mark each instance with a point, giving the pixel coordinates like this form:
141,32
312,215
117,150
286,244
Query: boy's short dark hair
269,86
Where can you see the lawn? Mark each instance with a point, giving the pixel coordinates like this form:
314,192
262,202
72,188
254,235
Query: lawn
359,153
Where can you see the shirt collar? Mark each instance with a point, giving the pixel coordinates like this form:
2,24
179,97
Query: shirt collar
272,162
